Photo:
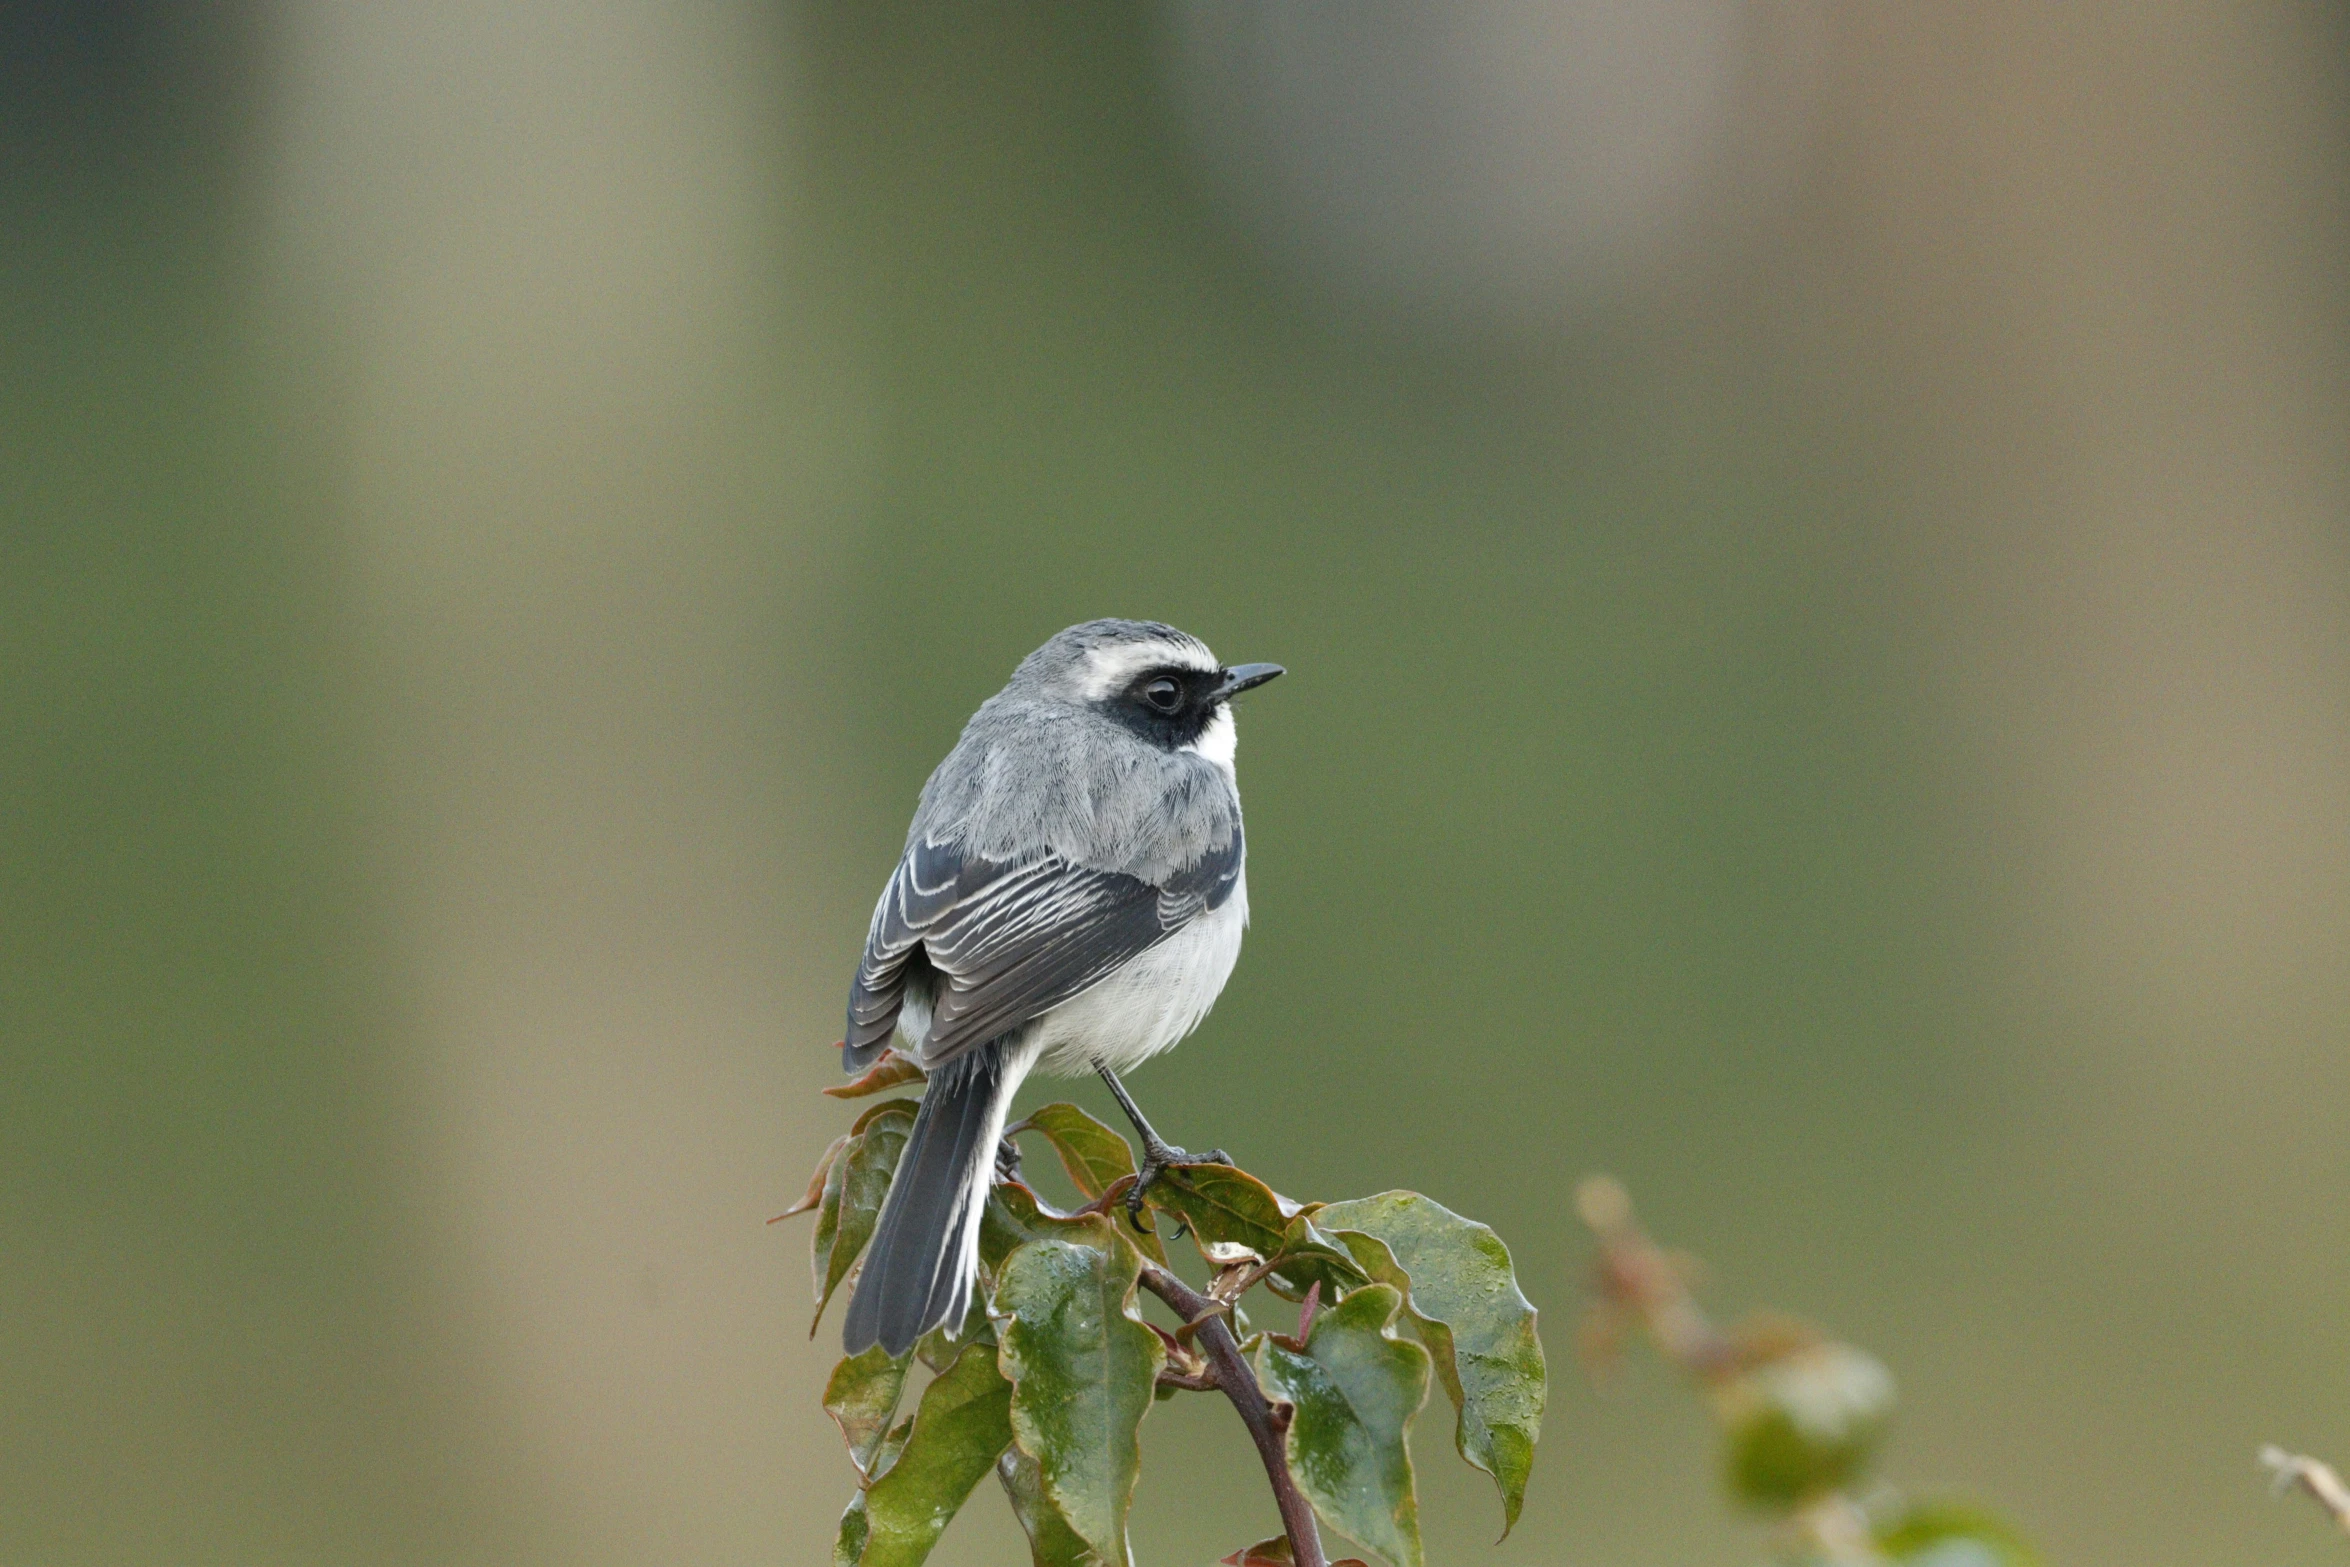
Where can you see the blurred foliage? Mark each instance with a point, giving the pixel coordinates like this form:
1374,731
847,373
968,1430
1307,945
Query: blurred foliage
1049,1380
1802,1415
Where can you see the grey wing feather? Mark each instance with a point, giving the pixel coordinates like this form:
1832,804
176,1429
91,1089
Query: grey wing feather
1007,943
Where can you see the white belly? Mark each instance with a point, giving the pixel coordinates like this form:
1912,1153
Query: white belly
1150,1003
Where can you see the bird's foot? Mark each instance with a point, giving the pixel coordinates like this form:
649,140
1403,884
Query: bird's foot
1157,1159
1007,1160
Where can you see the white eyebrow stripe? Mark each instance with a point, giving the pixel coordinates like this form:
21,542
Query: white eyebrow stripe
1108,669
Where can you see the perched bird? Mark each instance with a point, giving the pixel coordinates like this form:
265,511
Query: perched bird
1072,892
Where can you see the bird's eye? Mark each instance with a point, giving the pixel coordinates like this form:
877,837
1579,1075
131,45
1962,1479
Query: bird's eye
1163,695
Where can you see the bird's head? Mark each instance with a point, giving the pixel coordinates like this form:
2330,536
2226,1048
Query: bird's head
1161,684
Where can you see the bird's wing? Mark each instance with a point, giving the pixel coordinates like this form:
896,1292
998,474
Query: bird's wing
1010,942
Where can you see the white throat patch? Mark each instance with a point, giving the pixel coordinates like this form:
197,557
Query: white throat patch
1219,742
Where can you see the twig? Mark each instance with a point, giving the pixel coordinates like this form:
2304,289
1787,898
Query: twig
1641,1282
1203,1380
2324,1486
1267,1422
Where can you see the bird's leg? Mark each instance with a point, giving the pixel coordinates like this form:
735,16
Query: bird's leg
1158,1154
1007,1160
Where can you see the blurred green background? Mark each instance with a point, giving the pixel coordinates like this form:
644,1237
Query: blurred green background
1810,542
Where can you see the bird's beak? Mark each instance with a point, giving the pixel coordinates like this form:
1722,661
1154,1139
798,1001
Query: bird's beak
1242,677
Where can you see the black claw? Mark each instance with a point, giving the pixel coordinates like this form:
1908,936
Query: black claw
1007,1160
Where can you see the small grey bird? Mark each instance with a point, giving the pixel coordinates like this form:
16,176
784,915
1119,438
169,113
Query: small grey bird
1072,892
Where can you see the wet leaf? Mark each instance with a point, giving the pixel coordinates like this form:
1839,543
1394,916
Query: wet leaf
1805,1423
1947,1534
1084,1369
1356,1388
1093,1155
862,1398
1467,1308
891,1071
1051,1542
1223,1206
815,1192
848,1211
960,1429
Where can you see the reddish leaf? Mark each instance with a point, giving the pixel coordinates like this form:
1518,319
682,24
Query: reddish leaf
885,1074
815,1193
1275,1553
886,1107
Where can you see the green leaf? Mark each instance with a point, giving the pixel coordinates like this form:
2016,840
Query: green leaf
853,1193
938,1348
1467,1308
1051,1542
1014,1217
1805,1423
1309,1257
961,1427
827,1236
855,1526
1950,1534
1093,1155
1083,1369
891,1071
862,1397
1223,1206
1356,1389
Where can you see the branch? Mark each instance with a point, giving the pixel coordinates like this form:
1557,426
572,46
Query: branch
1268,1423
2324,1486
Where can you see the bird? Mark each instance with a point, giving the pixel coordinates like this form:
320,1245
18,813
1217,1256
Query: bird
1071,894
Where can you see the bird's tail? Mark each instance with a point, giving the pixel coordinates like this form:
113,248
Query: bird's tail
924,1257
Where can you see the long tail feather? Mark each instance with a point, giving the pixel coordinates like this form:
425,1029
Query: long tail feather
924,1257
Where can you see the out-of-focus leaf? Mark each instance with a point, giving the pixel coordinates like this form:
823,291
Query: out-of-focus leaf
1805,1423
1467,1308
1083,1369
1309,1257
846,1215
960,1429
1949,1534
1275,1553
1356,1389
1093,1155
855,1526
862,1397
1223,1206
891,1071
815,1191
1051,1542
